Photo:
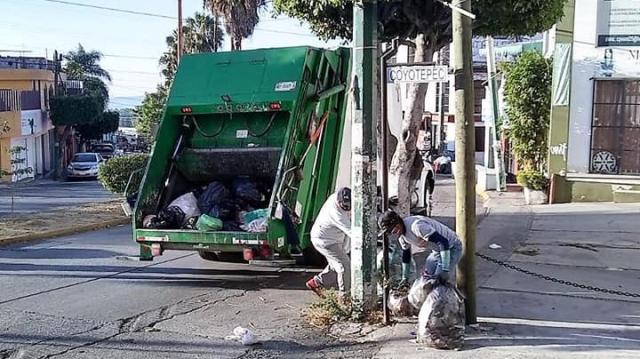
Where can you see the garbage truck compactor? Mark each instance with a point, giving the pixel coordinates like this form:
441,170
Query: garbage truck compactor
245,155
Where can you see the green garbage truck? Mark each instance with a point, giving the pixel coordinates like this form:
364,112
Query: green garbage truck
246,153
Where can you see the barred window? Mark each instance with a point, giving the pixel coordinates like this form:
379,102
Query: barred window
615,127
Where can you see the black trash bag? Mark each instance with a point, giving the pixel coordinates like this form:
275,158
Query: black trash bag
220,211
173,215
215,193
231,226
247,190
236,204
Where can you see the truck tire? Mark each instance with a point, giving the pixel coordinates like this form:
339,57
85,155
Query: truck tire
312,258
209,256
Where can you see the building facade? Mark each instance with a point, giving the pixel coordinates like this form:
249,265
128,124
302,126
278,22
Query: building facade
595,130
25,86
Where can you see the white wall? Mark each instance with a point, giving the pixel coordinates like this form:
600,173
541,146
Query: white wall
586,65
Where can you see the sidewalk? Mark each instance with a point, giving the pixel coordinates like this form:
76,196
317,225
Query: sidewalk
526,317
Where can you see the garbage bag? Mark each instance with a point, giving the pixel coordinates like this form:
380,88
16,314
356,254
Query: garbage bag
189,206
191,223
208,224
231,226
259,225
220,211
215,193
247,190
253,215
171,217
420,290
399,304
442,318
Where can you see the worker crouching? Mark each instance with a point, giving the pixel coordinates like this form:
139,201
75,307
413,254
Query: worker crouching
330,236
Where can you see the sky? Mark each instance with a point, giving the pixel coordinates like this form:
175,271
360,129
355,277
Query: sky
131,43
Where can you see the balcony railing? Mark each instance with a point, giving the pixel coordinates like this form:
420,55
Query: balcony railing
9,100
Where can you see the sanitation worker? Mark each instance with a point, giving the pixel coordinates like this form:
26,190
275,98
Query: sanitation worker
330,233
415,233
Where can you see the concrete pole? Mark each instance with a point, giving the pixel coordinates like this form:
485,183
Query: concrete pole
363,156
465,156
498,160
180,34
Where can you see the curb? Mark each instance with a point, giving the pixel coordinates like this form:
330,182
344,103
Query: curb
65,231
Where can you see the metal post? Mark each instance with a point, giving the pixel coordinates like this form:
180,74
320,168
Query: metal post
180,35
442,86
498,161
465,155
363,154
384,168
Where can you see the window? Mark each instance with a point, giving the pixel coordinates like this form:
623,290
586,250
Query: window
615,127
478,95
439,87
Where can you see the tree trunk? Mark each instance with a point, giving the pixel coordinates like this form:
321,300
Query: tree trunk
406,165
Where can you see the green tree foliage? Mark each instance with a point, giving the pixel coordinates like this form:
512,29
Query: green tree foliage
333,19
108,122
84,65
527,92
72,110
114,174
201,33
149,113
240,17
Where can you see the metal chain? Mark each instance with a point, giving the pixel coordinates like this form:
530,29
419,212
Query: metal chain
555,280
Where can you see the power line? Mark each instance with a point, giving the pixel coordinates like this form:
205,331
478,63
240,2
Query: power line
125,11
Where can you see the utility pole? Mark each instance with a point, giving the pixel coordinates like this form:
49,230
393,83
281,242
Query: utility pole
465,155
443,86
501,180
180,35
363,153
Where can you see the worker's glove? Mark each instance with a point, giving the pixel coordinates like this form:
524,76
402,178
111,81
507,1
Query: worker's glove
443,277
406,271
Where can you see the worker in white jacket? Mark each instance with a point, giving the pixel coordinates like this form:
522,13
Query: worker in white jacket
329,234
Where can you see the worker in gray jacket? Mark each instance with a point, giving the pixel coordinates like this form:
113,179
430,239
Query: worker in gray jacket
329,234
416,233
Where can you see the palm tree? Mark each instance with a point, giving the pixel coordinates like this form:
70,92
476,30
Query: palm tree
85,66
201,33
240,17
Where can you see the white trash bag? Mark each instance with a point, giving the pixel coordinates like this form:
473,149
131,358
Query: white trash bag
419,291
188,204
244,335
441,321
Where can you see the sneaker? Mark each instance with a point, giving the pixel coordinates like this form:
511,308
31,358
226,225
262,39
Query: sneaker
314,286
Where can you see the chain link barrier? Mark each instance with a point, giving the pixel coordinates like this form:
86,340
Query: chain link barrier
556,280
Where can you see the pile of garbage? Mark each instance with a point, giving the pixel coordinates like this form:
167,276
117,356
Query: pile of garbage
237,206
440,310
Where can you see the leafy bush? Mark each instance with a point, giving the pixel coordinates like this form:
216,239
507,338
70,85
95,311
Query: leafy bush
533,180
115,173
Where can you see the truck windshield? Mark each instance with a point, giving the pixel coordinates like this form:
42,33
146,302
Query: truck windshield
84,158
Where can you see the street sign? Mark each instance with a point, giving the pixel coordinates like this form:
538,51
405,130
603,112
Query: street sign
417,74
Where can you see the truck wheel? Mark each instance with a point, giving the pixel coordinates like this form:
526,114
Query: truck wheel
311,257
209,256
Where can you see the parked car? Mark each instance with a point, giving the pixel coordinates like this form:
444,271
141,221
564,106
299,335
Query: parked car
85,165
106,150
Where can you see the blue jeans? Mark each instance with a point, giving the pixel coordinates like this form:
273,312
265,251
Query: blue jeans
434,262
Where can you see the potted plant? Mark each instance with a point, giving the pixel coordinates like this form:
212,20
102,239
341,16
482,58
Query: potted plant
535,186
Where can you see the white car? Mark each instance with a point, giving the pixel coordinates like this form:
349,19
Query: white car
84,165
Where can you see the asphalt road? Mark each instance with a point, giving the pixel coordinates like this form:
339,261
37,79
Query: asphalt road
76,297
43,195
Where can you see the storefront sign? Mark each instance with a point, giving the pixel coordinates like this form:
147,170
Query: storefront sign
618,23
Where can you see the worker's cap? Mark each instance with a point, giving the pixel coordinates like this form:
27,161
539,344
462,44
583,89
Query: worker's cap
387,221
344,198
